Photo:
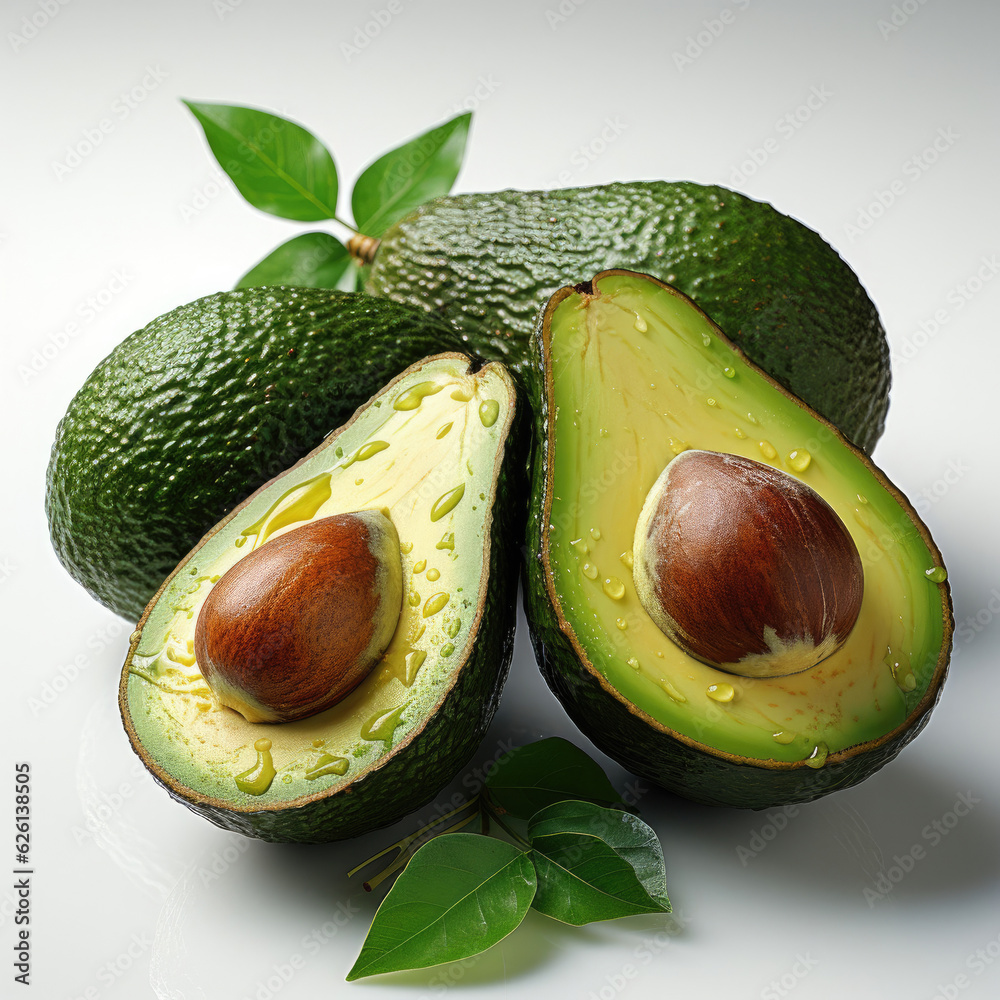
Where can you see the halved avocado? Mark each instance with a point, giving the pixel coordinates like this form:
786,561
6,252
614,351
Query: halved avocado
433,452
629,374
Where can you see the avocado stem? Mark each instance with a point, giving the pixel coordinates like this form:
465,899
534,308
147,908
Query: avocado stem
362,248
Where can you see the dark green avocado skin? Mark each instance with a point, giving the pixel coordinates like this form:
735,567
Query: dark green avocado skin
489,262
192,413
413,774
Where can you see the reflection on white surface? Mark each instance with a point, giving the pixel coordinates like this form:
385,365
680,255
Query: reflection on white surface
114,787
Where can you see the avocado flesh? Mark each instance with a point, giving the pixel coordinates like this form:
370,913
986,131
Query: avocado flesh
189,415
489,262
633,374
431,449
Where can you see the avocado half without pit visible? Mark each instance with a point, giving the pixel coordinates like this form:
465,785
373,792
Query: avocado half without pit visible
331,654
728,597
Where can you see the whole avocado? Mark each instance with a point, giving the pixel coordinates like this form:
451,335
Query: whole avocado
489,262
192,413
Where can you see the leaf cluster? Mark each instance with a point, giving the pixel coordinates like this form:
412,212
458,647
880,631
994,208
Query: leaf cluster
572,852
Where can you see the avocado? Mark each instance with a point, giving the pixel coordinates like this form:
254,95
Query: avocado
489,262
632,379
195,411
431,456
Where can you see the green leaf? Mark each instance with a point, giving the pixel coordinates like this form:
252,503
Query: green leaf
406,177
277,165
628,836
534,776
317,260
460,894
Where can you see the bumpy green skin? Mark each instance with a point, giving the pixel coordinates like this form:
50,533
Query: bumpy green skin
414,773
489,262
191,414
622,730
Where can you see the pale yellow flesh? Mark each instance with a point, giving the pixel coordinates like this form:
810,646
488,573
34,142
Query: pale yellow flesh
426,450
637,379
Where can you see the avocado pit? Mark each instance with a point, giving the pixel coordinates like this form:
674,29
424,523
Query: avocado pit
292,628
745,567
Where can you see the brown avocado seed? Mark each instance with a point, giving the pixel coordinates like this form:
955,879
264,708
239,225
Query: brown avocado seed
744,567
296,625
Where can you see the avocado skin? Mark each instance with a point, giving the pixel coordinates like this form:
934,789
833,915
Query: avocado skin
414,773
622,730
213,399
489,262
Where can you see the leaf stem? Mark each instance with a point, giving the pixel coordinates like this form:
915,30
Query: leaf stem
403,858
490,811
403,844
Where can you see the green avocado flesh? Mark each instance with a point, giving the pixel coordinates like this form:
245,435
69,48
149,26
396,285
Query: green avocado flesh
432,450
631,375
489,262
189,415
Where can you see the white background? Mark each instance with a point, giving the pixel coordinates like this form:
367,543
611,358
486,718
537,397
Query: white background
130,889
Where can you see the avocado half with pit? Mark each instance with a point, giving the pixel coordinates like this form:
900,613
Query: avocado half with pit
727,596
331,653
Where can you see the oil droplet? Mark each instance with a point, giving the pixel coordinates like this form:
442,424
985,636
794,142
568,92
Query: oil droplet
419,567
614,588
818,757
626,558
405,547
581,546
936,574
783,737
413,600
706,340
180,656
328,764
595,533
633,662
318,743
413,662
338,451
366,451
677,446
751,418
433,574
419,633
711,401
621,623
659,653
414,396
447,502
287,779
589,571
444,429
729,371
603,432
447,649
672,692
740,433
258,779
862,498
454,627
489,410
300,503
382,725
721,692
640,324
435,604
462,395
447,541
358,481
799,460
768,450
